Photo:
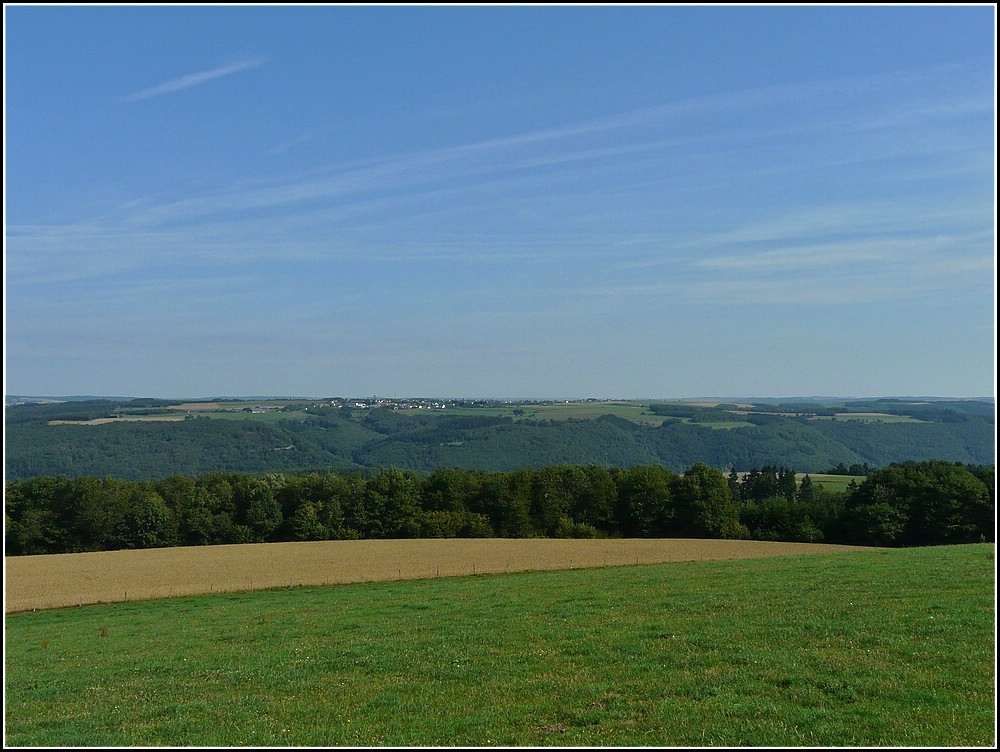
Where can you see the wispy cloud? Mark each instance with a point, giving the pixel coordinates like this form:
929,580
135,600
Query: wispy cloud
296,141
622,181
193,79
555,159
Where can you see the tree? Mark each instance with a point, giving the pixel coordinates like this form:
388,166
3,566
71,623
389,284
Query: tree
32,533
257,508
593,494
305,523
733,479
505,498
350,492
768,519
922,503
645,507
985,514
877,524
703,503
768,482
220,498
948,505
807,492
392,498
440,523
550,502
96,509
447,489
147,522
32,516
192,506
786,484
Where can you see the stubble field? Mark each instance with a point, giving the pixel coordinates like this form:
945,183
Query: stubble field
60,580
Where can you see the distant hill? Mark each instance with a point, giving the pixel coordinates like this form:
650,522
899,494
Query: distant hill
21,399
149,438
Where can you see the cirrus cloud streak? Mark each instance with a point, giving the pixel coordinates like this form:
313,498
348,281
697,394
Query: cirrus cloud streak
193,79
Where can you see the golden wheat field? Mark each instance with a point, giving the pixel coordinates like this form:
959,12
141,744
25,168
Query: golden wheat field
59,580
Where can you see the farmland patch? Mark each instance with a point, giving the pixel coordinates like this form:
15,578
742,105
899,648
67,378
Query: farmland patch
60,580
123,419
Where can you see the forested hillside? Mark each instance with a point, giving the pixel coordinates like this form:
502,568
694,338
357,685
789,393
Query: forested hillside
149,439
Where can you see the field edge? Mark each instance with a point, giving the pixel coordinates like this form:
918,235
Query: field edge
62,580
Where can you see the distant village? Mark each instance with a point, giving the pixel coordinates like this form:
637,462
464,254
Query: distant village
421,403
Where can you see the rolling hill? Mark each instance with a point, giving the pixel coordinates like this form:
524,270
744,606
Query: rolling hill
148,438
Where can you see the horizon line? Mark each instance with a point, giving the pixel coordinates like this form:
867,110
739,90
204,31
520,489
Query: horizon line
376,397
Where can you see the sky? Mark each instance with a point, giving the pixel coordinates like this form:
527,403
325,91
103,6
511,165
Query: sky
614,202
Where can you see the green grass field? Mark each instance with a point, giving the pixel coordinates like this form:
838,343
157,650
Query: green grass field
267,417
866,648
637,412
834,483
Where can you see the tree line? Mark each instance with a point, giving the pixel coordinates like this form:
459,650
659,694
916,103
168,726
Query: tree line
911,503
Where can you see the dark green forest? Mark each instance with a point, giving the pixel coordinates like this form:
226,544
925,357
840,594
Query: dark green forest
334,469
317,436
905,504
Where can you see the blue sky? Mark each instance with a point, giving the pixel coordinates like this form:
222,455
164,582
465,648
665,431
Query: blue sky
548,201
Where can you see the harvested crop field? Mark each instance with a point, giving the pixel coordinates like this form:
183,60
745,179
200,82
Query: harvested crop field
59,580
124,419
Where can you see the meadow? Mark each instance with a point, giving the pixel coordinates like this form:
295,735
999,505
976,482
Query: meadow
832,483
866,647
